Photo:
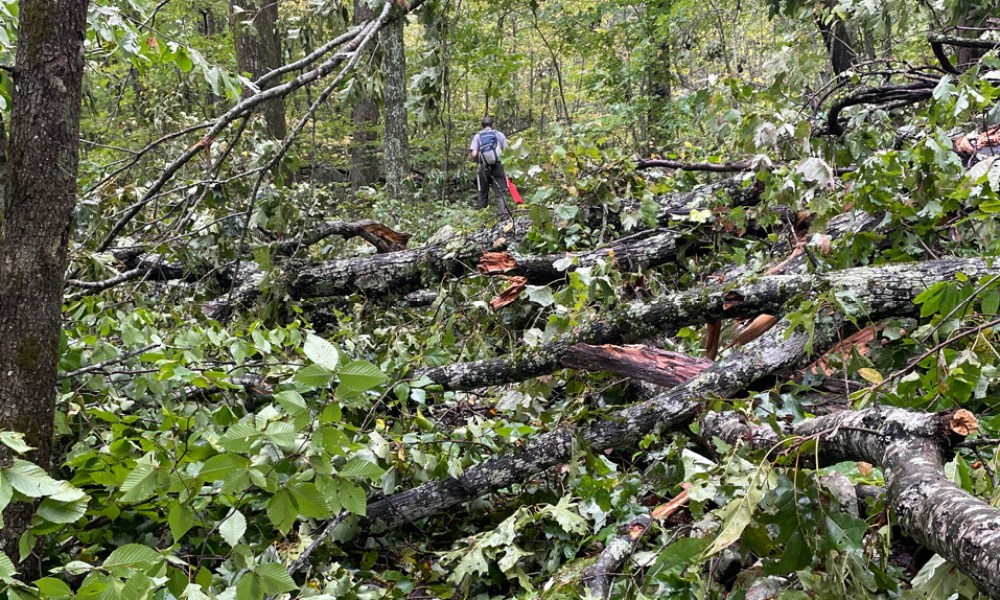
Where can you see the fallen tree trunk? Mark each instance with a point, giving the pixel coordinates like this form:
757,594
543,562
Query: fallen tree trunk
880,291
601,573
911,448
621,429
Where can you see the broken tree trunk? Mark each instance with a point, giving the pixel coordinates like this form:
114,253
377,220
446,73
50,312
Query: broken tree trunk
878,291
911,448
622,429
661,367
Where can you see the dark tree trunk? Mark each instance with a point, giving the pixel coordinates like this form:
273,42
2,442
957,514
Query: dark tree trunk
838,40
258,51
364,150
397,142
41,196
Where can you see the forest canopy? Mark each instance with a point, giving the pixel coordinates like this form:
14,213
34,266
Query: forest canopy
267,330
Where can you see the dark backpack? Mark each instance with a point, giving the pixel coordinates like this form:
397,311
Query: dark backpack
488,142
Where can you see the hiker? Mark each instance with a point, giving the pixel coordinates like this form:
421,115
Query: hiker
486,147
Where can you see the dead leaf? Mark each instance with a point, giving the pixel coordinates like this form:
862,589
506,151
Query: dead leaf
712,332
865,469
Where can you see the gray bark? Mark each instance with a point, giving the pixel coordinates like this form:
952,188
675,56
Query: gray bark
622,428
911,448
258,51
34,234
364,153
396,145
879,291
601,574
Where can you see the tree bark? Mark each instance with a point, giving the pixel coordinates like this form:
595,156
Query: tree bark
601,574
911,448
397,142
838,39
622,429
258,51
883,291
41,196
364,153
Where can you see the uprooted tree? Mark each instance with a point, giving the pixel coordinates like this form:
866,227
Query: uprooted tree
741,339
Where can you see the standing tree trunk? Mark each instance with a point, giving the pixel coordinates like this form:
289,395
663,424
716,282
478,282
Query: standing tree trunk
258,51
364,150
396,142
837,38
658,71
41,197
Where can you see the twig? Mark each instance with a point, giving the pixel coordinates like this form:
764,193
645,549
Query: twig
112,361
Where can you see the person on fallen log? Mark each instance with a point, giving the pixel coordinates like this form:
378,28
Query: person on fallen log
487,147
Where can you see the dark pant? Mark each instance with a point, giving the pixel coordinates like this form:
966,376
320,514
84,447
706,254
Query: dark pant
493,176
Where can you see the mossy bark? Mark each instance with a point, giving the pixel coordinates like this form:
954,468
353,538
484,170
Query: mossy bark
41,196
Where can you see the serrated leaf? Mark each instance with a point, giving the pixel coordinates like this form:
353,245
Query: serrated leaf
54,511
240,437
282,511
358,467
14,441
310,501
140,483
180,519
321,351
570,521
352,498
314,376
249,587
233,528
132,557
53,588
275,579
291,401
7,569
30,480
360,376
221,465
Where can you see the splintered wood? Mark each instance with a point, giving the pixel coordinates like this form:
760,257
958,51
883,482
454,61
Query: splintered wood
661,367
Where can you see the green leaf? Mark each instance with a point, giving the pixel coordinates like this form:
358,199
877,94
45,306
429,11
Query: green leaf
275,579
50,587
352,498
321,351
221,465
233,528
360,376
132,557
7,569
570,521
240,437
310,501
14,441
359,467
140,483
316,376
249,587
991,302
54,511
282,511
291,401
30,480
180,519
736,515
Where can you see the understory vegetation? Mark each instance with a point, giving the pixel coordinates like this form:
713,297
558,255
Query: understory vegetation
298,360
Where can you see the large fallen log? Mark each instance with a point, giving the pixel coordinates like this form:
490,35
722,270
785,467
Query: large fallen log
879,291
911,448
